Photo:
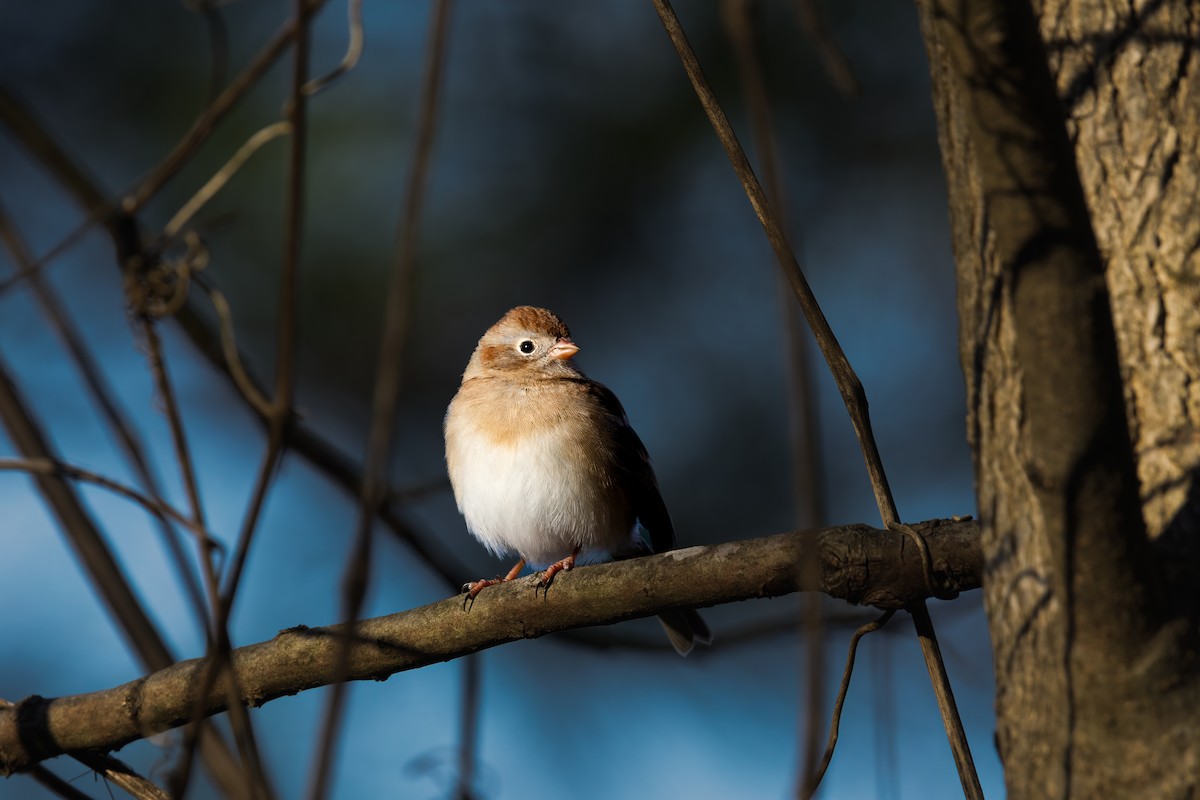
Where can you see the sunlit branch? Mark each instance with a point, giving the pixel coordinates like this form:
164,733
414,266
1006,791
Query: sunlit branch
858,563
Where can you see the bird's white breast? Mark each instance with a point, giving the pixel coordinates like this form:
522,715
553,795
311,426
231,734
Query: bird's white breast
537,493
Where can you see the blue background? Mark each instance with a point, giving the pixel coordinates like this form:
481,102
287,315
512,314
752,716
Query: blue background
575,170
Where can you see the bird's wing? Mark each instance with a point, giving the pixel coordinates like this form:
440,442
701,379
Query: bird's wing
634,462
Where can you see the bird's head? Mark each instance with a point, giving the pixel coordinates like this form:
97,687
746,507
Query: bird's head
526,341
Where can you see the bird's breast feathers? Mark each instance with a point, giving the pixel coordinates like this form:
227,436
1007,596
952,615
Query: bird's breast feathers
537,484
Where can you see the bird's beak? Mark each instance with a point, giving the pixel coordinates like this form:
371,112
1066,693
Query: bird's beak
563,349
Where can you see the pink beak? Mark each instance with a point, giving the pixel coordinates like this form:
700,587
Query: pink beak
563,349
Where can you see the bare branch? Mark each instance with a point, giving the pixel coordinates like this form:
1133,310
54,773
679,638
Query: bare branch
121,774
204,125
397,315
80,530
354,50
242,381
55,784
847,381
945,699
218,42
222,176
744,28
850,387
811,780
123,231
45,466
858,563
31,133
110,408
837,66
101,566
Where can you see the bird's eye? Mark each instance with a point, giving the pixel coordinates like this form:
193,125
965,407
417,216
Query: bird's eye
526,347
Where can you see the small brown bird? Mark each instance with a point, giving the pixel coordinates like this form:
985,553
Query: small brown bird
543,460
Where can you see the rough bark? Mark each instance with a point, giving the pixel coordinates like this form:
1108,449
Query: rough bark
858,563
1096,672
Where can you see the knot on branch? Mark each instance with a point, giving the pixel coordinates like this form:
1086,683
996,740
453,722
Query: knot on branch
156,287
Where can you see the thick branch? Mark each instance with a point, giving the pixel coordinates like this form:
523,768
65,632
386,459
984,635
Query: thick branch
858,563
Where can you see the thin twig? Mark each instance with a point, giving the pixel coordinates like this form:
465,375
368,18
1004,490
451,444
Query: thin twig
298,438
397,314
354,50
222,176
742,26
468,728
157,507
923,549
35,265
808,786
837,66
280,407
111,411
120,774
218,43
135,263
813,631
162,385
945,697
80,530
220,649
217,638
242,381
293,233
847,381
55,784
103,569
218,634
312,446
31,133
203,127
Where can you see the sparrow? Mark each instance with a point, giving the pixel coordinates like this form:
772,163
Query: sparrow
545,464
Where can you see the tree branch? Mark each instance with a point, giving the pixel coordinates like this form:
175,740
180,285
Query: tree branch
859,563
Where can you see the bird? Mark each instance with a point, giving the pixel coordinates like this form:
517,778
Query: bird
544,463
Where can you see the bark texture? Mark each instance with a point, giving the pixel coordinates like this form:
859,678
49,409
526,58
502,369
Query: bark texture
858,563
1129,79
1096,669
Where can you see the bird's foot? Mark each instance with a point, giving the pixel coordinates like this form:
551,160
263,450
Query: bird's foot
471,590
547,577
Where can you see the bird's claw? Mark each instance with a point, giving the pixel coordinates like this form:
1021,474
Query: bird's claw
546,577
471,590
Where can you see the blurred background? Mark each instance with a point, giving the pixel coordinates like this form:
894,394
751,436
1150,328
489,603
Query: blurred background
573,169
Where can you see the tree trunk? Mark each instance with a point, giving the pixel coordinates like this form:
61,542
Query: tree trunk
1076,233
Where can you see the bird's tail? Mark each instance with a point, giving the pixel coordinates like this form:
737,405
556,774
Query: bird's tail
685,627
